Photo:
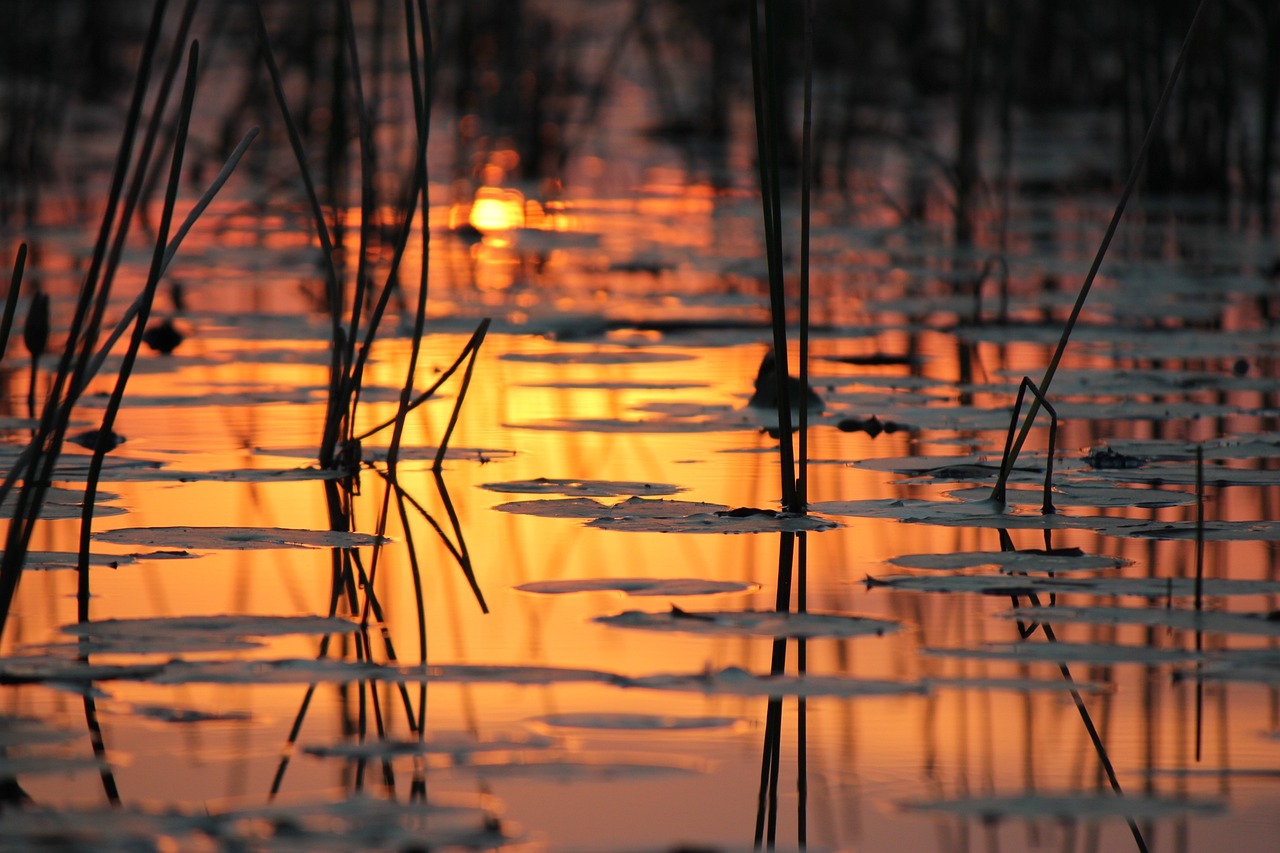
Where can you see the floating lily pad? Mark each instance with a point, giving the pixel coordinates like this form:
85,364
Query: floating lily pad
13,766
751,623
1005,584
43,560
1017,685
238,625
236,538
27,731
1082,494
327,670
1088,807
597,768
583,488
633,722
717,522
1208,621
62,503
1058,560
156,474
1185,475
638,586
458,746
984,513
187,716
1212,531
737,682
1104,654
655,508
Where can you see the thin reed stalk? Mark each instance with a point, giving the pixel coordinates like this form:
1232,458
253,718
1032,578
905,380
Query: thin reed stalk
806,200
767,99
1011,455
35,466
11,299
105,438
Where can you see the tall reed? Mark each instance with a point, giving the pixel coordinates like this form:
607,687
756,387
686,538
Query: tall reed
1042,390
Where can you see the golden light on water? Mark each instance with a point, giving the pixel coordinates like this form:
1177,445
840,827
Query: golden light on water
496,210
629,298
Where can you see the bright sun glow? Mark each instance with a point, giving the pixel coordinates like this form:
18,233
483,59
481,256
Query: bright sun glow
497,209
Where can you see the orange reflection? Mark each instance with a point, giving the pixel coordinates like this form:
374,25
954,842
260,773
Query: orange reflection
496,209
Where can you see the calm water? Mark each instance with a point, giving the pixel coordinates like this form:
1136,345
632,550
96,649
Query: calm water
630,314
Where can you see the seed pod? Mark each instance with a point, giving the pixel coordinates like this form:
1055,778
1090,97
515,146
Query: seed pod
36,332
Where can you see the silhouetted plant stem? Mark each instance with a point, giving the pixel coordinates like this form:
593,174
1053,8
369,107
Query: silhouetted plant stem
802,704
806,193
35,335
105,440
477,337
1199,594
1025,385
1104,759
767,798
336,409
768,137
99,746
1006,465
11,298
29,453
35,466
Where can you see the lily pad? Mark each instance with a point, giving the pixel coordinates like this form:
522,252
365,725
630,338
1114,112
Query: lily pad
737,682
236,538
1006,584
458,746
751,623
187,716
583,488
1058,560
721,521
238,625
638,586
1103,654
633,722
1087,807
44,560
1083,494
1208,621
597,768
327,670
656,508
